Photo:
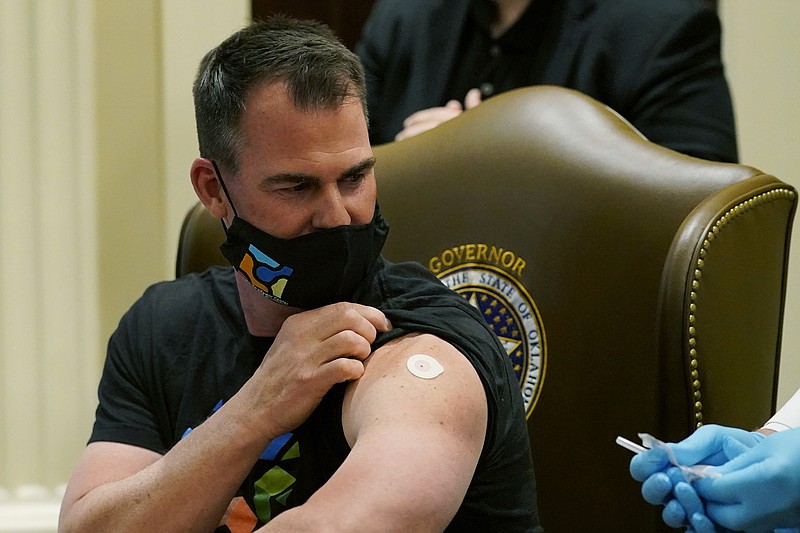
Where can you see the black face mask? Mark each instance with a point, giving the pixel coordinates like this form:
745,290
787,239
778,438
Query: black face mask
309,271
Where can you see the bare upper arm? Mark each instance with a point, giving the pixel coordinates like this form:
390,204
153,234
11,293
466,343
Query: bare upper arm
391,393
415,442
101,463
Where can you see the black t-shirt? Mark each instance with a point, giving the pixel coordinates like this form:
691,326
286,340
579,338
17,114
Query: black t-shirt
183,350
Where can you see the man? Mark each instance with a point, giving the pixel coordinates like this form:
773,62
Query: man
655,62
383,403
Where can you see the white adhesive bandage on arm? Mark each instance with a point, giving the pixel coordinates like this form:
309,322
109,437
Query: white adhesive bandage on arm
424,366
787,417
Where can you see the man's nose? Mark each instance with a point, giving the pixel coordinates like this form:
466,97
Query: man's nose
331,210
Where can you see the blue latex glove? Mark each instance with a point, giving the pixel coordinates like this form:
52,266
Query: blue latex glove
704,446
700,523
689,505
759,488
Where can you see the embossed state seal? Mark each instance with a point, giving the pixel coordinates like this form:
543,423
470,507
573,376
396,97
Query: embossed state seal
487,276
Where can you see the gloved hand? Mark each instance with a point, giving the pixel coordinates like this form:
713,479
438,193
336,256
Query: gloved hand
704,446
759,488
688,508
689,504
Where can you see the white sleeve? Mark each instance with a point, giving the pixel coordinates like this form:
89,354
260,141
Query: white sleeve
787,417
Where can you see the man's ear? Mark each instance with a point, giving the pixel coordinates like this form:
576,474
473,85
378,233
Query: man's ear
207,188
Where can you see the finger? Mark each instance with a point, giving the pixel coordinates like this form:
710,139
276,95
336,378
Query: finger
732,448
697,448
656,489
705,446
362,319
645,464
340,370
424,123
434,114
346,343
472,99
675,475
673,514
725,515
416,129
688,499
374,315
701,523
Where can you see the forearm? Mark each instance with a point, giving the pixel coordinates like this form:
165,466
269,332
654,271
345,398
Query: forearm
188,489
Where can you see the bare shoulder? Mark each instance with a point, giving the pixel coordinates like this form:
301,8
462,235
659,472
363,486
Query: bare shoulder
416,379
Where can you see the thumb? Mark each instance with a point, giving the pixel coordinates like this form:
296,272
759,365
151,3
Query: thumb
455,105
472,99
732,448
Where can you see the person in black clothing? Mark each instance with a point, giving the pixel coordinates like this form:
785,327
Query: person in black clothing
313,385
655,62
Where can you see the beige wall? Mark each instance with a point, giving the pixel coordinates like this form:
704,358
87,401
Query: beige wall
48,279
147,54
96,138
762,52
130,152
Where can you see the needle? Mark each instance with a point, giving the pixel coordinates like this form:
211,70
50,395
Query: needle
632,446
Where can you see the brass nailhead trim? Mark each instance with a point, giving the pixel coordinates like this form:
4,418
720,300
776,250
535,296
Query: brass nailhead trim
724,220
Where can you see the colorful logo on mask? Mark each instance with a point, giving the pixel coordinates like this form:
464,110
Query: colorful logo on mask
264,272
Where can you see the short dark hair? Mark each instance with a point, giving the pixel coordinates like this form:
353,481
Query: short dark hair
318,70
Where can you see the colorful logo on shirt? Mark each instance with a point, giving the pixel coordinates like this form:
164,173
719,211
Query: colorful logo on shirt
275,486
264,272
271,491
488,277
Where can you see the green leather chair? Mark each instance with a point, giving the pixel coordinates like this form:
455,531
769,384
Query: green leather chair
636,289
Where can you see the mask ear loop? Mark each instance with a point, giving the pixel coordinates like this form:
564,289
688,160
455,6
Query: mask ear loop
224,190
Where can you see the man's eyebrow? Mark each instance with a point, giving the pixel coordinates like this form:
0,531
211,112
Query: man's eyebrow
287,177
301,177
359,168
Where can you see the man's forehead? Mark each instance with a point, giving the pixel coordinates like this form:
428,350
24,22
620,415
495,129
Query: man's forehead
277,136
272,112
277,94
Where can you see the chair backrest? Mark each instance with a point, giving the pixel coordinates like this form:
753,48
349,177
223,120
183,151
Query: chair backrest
636,289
